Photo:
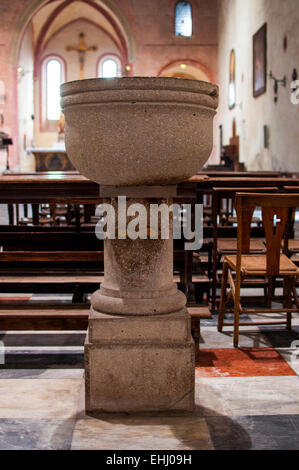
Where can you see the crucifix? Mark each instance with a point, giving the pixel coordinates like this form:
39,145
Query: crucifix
81,48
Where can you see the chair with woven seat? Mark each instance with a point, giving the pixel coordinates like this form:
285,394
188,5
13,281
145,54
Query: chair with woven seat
273,264
225,246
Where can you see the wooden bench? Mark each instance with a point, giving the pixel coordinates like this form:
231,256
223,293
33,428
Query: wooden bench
196,313
44,317
75,272
40,317
78,273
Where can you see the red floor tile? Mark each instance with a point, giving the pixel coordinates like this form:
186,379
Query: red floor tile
245,362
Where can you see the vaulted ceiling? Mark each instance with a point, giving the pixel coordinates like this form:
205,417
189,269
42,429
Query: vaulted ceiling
57,14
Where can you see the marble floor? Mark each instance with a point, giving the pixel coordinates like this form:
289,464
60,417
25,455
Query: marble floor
246,398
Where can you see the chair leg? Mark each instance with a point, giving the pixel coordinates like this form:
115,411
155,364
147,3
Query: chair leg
214,280
237,310
295,293
270,291
223,296
288,301
195,331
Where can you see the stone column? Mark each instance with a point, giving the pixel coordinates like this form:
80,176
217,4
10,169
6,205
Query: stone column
139,351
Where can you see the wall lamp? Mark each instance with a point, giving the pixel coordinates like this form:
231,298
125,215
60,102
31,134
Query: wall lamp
294,79
282,81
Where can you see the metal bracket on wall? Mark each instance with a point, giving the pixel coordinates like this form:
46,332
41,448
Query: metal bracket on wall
277,81
294,79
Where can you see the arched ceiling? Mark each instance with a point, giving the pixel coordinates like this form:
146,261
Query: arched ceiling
48,17
64,13
40,18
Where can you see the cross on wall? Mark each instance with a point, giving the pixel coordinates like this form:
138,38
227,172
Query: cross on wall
81,48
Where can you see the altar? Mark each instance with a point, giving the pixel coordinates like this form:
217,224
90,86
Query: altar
51,159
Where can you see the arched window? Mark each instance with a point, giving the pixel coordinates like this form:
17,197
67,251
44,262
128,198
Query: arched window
109,67
183,19
53,74
53,81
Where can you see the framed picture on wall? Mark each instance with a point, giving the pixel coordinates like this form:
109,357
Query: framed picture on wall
232,81
260,61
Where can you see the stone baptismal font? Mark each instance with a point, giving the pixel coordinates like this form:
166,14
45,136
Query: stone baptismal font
138,137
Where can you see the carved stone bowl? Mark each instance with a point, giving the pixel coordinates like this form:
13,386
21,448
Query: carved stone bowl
139,130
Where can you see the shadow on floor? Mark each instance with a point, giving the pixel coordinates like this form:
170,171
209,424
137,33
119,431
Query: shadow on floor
201,430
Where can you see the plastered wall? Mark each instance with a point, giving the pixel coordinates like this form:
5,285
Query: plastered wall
238,21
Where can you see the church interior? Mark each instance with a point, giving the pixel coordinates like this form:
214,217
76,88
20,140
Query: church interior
144,343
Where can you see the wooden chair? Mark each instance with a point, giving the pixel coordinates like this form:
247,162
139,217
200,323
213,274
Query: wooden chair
291,246
275,214
225,246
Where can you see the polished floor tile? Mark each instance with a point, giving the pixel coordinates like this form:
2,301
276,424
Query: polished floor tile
276,443
291,356
71,373
281,337
35,434
247,396
250,338
254,432
246,362
228,434
295,421
39,399
142,433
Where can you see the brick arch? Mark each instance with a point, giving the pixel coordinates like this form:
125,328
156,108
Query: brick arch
191,62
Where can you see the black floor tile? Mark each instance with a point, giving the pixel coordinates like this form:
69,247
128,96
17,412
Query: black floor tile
43,361
25,434
255,432
43,339
280,337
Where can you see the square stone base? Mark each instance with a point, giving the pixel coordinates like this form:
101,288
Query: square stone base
130,366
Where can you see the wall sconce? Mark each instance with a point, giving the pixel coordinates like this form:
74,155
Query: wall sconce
22,72
128,70
294,79
283,82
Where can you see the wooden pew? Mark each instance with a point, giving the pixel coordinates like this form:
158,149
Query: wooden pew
75,272
74,189
44,317
239,174
239,181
